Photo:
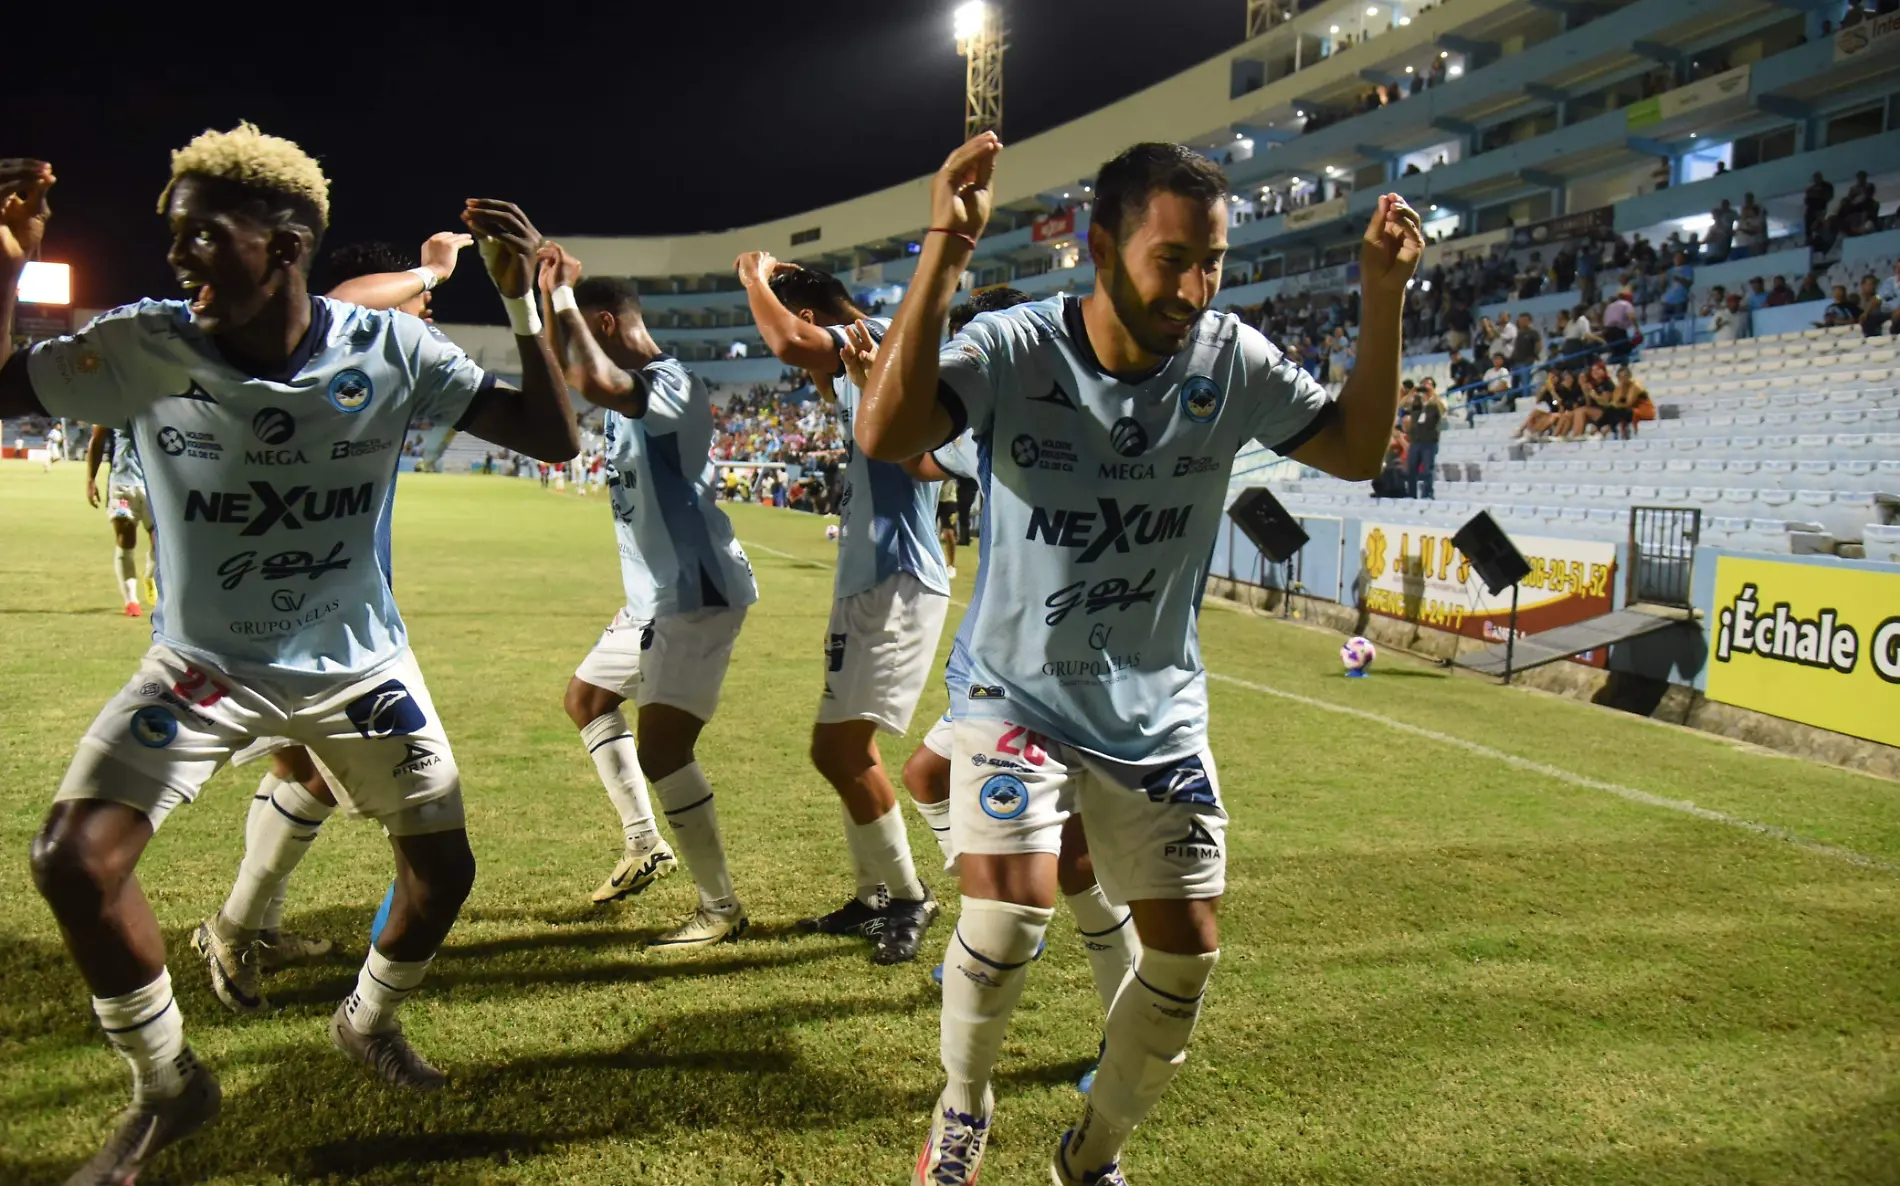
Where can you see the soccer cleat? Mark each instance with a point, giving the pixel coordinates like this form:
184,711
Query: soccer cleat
148,590
1087,1080
852,918
905,921
1062,1175
281,949
705,928
149,1126
950,570
638,869
132,609
953,1152
234,968
388,1055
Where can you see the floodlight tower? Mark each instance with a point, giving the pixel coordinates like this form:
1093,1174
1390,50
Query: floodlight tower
1259,18
978,25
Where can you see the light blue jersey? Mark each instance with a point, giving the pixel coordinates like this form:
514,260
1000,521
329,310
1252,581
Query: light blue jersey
272,492
677,553
126,469
1101,499
888,519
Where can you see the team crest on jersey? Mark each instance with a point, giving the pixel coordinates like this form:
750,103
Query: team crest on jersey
153,727
1003,796
1200,399
351,390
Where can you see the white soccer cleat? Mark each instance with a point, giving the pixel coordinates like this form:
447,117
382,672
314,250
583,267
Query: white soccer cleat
953,1152
705,928
638,869
234,968
281,949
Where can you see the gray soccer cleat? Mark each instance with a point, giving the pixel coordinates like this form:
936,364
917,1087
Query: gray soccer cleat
234,967
389,1056
146,1128
705,928
638,869
282,949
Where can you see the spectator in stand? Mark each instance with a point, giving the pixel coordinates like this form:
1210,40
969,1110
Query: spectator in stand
1545,413
1729,322
1814,205
1681,281
1505,336
1619,323
1458,325
1634,396
1722,233
1889,291
1527,347
1497,381
1424,416
1578,336
1597,407
1810,289
1873,315
1854,15
1757,295
1779,293
1751,229
1464,372
1860,209
1841,309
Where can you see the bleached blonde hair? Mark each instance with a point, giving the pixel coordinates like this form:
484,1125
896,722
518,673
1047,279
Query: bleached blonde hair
246,156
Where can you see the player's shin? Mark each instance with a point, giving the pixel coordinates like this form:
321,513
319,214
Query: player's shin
983,976
283,822
884,847
610,742
1148,1030
125,574
1109,938
382,986
687,799
937,817
146,1029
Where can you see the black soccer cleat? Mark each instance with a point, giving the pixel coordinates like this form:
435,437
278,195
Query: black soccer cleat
905,921
852,918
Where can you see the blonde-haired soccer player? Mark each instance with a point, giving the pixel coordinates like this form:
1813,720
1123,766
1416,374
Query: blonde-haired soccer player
275,616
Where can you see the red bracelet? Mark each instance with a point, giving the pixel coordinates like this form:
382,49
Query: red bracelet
970,240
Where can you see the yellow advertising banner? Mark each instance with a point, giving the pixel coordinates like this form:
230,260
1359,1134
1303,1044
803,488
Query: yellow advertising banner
1819,644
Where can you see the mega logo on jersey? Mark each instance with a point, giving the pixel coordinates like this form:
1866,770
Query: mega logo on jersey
1118,527
386,710
274,426
266,507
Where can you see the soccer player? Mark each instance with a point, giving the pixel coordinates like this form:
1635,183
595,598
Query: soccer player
126,510
246,938
890,594
1107,427
275,616
55,446
688,585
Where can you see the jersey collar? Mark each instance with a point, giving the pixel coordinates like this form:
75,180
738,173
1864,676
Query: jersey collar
313,339
1079,333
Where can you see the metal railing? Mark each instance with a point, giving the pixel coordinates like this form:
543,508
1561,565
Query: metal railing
1662,554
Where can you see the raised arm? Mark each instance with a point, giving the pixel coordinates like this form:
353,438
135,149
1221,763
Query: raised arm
538,419
24,213
900,416
585,365
791,339
387,290
1353,442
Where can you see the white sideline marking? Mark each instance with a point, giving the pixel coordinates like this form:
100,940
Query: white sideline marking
1622,792
1681,806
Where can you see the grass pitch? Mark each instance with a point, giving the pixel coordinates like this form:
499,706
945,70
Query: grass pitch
1439,966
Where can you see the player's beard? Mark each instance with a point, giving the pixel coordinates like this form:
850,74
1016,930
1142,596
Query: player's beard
1143,321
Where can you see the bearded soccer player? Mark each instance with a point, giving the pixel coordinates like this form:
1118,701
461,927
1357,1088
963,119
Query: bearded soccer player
246,937
889,598
1085,683
126,510
688,585
275,616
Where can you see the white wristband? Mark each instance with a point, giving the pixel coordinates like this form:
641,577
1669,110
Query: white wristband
427,276
523,317
561,300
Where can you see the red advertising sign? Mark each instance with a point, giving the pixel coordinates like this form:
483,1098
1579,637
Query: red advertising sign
1052,226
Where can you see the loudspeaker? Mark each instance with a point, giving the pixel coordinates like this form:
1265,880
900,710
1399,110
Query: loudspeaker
1269,525
1491,552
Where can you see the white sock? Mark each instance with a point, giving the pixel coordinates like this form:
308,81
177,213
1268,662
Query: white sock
687,799
937,816
610,743
886,850
1148,1030
871,889
983,973
125,573
381,986
145,1027
1109,939
284,820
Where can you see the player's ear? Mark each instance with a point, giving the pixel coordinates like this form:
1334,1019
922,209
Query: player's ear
1101,245
806,314
289,249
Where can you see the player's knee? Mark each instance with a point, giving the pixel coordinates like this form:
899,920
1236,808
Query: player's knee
445,885
1075,871
74,872
927,776
583,703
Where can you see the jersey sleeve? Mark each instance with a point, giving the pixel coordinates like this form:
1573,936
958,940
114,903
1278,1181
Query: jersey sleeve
967,368
958,456
84,376
1285,405
448,381
668,390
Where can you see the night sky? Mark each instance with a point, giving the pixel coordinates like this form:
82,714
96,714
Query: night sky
608,119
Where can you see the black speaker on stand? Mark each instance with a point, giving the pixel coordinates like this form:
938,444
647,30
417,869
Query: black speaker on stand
1499,564
1272,528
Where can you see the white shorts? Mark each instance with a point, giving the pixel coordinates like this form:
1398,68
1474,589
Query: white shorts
1155,831
937,741
128,502
674,659
880,649
377,741
263,747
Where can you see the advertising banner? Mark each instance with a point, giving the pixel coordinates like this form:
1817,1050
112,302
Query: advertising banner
1877,36
1717,88
1052,226
1813,643
1565,226
1416,575
1315,214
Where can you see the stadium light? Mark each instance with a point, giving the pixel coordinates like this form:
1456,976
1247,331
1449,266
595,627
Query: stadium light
1404,21
1408,69
1372,10
46,284
1334,29
1456,72
1444,53
968,19
978,26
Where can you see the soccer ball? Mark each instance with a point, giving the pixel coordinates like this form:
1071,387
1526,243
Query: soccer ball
1357,655
831,532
